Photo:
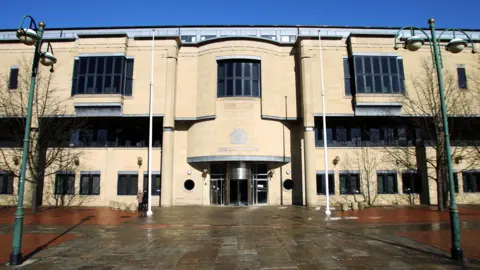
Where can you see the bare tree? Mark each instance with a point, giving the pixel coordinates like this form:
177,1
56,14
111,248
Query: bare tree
422,104
49,152
367,162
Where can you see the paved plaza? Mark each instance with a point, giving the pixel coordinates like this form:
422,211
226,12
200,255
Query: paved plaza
242,238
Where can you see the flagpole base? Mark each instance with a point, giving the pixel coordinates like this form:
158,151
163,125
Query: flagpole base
149,213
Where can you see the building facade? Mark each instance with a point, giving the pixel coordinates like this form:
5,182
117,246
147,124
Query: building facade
237,117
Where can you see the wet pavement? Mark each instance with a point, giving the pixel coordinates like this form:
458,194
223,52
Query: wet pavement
242,238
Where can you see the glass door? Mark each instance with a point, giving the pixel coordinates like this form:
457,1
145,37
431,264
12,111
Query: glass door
260,184
238,192
217,184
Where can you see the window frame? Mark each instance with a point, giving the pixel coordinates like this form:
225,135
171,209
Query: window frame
13,78
225,77
66,189
412,178
349,176
7,178
90,179
128,188
86,73
382,177
469,182
368,72
462,77
154,191
331,184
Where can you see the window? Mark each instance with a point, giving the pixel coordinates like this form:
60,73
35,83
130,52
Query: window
272,37
205,37
103,75
238,78
156,183
288,38
90,184
127,184
471,182
462,77
188,38
378,74
349,183
347,77
6,182
189,185
321,183
65,183
387,183
455,182
13,79
288,184
412,182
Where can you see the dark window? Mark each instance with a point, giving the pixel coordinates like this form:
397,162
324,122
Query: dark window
347,81
288,184
90,184
462,77
189,184
412,183
238,78
65,184
387,183
6,182
156,183
103,75
188,38
321,183
13,79
455,182
349,183
127,184
378,74
471,182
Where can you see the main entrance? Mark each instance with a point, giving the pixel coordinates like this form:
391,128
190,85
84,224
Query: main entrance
238,183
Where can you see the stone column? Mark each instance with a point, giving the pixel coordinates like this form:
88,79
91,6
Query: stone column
308,124
169,128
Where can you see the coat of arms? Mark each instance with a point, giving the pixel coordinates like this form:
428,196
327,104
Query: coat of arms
238,136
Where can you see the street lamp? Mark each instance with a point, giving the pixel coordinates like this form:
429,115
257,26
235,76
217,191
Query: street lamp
455,45
29,36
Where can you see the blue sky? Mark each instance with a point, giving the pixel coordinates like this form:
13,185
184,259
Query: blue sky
89,13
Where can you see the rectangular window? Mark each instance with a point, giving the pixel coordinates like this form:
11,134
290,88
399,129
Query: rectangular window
387,183
462,77
412,182
188,39
90,184
127,184
65,184
349,183
238,78
6,182
13,79
156,183
471,182
346,75
103,75
321,183
378,74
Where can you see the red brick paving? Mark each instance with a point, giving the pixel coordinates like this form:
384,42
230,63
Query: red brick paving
69,216
30,242
442,239
409,214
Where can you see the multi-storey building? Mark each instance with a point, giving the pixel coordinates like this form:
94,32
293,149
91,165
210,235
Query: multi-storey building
237,116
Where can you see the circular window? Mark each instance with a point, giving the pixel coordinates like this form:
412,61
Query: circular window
288,184
189,184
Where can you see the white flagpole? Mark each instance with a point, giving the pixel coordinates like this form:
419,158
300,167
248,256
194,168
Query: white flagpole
150,128
324,111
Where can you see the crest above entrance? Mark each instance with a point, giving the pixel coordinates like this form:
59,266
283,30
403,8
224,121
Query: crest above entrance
238,136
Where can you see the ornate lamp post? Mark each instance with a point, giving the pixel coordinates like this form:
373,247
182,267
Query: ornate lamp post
29,36
456,45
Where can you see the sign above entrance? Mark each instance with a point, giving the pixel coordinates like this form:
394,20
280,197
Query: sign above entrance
238,136
237,149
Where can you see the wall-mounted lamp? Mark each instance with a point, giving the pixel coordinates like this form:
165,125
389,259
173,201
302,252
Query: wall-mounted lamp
139,161
76,161
189,172
287,172
458,159
204,173
336,160
16,160
271,173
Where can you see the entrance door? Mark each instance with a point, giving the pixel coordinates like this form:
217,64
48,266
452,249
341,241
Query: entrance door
239,192
260,184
